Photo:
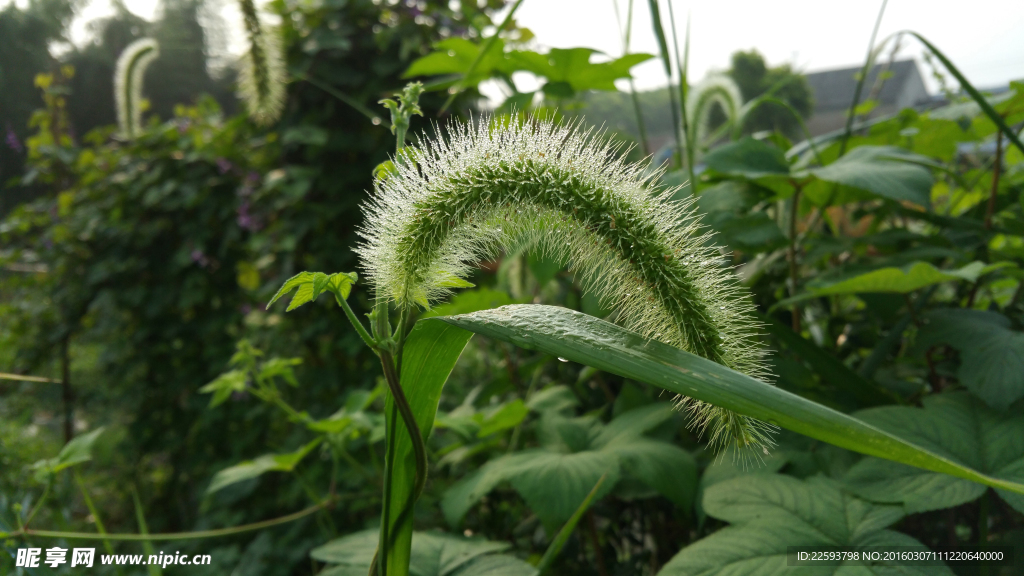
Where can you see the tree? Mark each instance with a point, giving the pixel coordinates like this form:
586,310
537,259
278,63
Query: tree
755,78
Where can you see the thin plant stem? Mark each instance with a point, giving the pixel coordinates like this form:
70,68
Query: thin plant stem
39,503
357,324
640,126
983,513
355,104
95,514
689,139
996,171
199,535
794,211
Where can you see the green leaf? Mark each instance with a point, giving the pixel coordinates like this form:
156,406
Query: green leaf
576,452
280,368
553,484
663,467
748,158
78,450
255,468
558,399
894,280
558,542
883,171
432,554
833,373
961,428
309,286
769,513
224,385
991,354
456,56
508,416
572,67
431,350
902,280
575,336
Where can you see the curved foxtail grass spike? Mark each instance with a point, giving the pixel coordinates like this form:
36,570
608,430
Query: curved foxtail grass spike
502,185
717,89
261,80
128,76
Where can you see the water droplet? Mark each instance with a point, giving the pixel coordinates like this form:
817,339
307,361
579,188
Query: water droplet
451,53
560,359
376,121
721,307
627,294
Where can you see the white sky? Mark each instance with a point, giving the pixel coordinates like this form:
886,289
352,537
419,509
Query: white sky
984,38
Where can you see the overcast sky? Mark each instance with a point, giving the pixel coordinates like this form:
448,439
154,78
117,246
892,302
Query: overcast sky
985,38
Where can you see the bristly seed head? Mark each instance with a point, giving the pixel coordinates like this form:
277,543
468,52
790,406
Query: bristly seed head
505,185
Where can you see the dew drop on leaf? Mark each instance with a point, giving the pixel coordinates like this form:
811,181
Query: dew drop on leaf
560,359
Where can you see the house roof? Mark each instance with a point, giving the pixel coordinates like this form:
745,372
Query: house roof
833,89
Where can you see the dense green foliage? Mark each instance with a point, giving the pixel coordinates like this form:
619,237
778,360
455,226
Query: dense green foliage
885,266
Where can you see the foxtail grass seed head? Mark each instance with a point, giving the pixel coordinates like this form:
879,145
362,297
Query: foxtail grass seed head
560,190
719,89
261,80
128,76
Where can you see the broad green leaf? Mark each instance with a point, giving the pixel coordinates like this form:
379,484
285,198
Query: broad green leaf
575,336
902,280
558,398
576,452
882,171
553,484
957,426
991,354
254,468
78,450
508,416
558,542
431,350
456,56
748,158
572,66
664,467
432,554
224,385
633,424
769,513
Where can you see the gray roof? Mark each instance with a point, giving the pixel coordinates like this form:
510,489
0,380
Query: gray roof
833,89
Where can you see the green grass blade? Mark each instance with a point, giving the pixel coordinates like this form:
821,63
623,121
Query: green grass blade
555,548
689,133
659,32
147,546
575,336
431,351
975,95
868,62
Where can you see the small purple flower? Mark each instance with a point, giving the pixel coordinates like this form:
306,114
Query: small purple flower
199,258
224,166
12,141
252,180
245,220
